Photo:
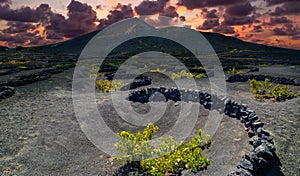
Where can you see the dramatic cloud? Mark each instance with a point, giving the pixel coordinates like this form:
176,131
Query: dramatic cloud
209,24
5,1
224,29
121,12
257,29
288,8
209,14
296,37
81,19
18,27
240,9
194,4
279,20
231,21
22,22
170,12
25,14
288,30
182,18
54,35
274,2
151,7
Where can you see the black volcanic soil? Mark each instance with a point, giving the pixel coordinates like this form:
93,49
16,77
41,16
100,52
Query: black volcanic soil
40,135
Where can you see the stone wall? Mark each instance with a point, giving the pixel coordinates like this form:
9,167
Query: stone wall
262,160
273,79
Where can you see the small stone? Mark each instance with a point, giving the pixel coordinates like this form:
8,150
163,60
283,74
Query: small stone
264,152
250,133
240,172
245,164
258,124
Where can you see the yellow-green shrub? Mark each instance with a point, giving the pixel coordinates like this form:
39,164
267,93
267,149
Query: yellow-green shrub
108,86
173,155
235,71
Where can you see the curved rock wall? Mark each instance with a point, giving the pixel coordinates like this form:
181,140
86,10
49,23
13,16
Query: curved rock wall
262,160
279,80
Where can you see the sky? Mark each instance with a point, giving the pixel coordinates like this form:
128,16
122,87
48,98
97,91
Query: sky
35,23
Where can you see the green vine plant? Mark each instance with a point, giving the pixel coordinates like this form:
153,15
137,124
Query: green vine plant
234,71
135,149
266,90
108,86
184,74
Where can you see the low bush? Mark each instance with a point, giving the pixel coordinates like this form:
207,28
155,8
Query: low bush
235,71
265,90
184,74
173,155
108,86
158,70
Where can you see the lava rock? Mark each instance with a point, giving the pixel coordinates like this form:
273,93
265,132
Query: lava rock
6,92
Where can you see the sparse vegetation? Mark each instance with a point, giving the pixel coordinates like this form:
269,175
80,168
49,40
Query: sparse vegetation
98,75
262,65
108,86
173,155
158,70
235,71
265,91
184,74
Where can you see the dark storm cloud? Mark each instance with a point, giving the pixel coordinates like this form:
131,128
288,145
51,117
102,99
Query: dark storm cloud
36,40
240,9
256,40
224,29
209,14
151,7
81,19
99,7
249,35
121,12
5,1
288,30
296,37
182,18
279,31
18,27
288,8
25,14
274,2
236,35
231,20
257,29
169,12
279,20
54,35
209,24
194,4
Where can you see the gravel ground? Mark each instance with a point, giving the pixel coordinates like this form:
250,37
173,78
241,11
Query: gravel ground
40,135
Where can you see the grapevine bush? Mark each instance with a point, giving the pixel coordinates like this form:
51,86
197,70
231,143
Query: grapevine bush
173,155
235,71
267,90
108,86
184,74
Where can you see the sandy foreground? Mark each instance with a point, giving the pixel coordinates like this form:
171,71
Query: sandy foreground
40,135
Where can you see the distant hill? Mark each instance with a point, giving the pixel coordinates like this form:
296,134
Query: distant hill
225,47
